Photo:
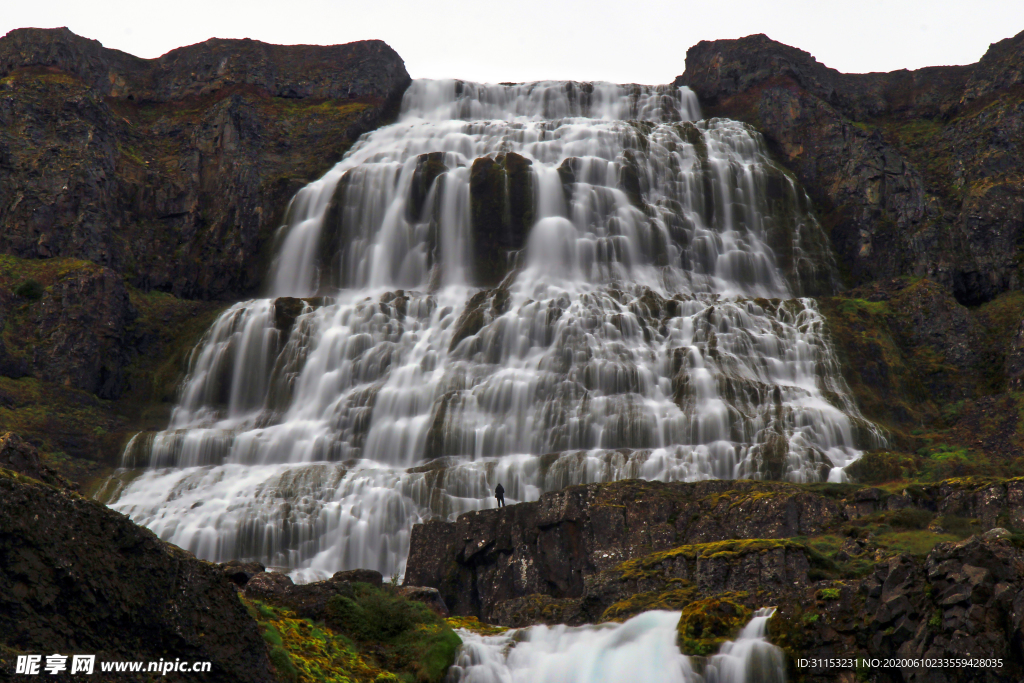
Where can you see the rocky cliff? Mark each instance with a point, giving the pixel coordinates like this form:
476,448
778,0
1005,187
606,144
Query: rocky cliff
915,571
134,195
79,578
916,172
174,172
916,175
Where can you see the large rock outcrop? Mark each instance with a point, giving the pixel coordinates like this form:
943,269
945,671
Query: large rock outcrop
132,193
563,545
855,571
174,172
77,577
917,172
963,601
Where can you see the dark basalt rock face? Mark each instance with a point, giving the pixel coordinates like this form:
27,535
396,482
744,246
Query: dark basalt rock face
550,547
915,170
76,577
124,179
963,601
501,197
367,68
174,172
81,332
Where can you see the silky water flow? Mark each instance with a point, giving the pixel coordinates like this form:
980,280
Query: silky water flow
640,649
541,285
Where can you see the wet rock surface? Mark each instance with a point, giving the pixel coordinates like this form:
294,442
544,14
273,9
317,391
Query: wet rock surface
501,197
76,577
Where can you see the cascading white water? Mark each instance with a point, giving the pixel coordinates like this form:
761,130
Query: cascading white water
647,327
641,649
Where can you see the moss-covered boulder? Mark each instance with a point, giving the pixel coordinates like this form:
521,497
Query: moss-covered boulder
705,624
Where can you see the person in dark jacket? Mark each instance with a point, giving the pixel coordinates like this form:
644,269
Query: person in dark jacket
499,493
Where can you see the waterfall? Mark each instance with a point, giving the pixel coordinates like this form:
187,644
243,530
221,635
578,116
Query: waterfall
541,285
641,649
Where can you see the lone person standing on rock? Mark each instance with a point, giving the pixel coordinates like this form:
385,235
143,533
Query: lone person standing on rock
499,493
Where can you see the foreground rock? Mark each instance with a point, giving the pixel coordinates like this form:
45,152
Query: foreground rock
552,546
829,556
78,578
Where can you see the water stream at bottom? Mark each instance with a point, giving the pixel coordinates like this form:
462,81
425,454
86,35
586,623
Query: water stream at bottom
641,649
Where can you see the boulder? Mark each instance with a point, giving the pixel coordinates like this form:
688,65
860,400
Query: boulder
270,586
431,597
239,573
370,576
79,578
308,600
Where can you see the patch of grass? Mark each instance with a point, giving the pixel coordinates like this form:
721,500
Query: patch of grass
642,567
304,652
877,467
828,594
910,518
959,526
406,635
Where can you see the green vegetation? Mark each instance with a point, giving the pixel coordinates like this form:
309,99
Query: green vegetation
732,549
30,289
475,625
407,636
948,413
828,594
78,434
304,652
375,635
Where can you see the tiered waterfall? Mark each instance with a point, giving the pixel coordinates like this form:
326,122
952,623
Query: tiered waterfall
539,285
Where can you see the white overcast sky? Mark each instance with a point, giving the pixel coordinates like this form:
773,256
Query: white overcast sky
642,41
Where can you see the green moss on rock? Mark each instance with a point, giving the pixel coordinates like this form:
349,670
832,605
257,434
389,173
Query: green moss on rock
673,599
731,549
705,624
